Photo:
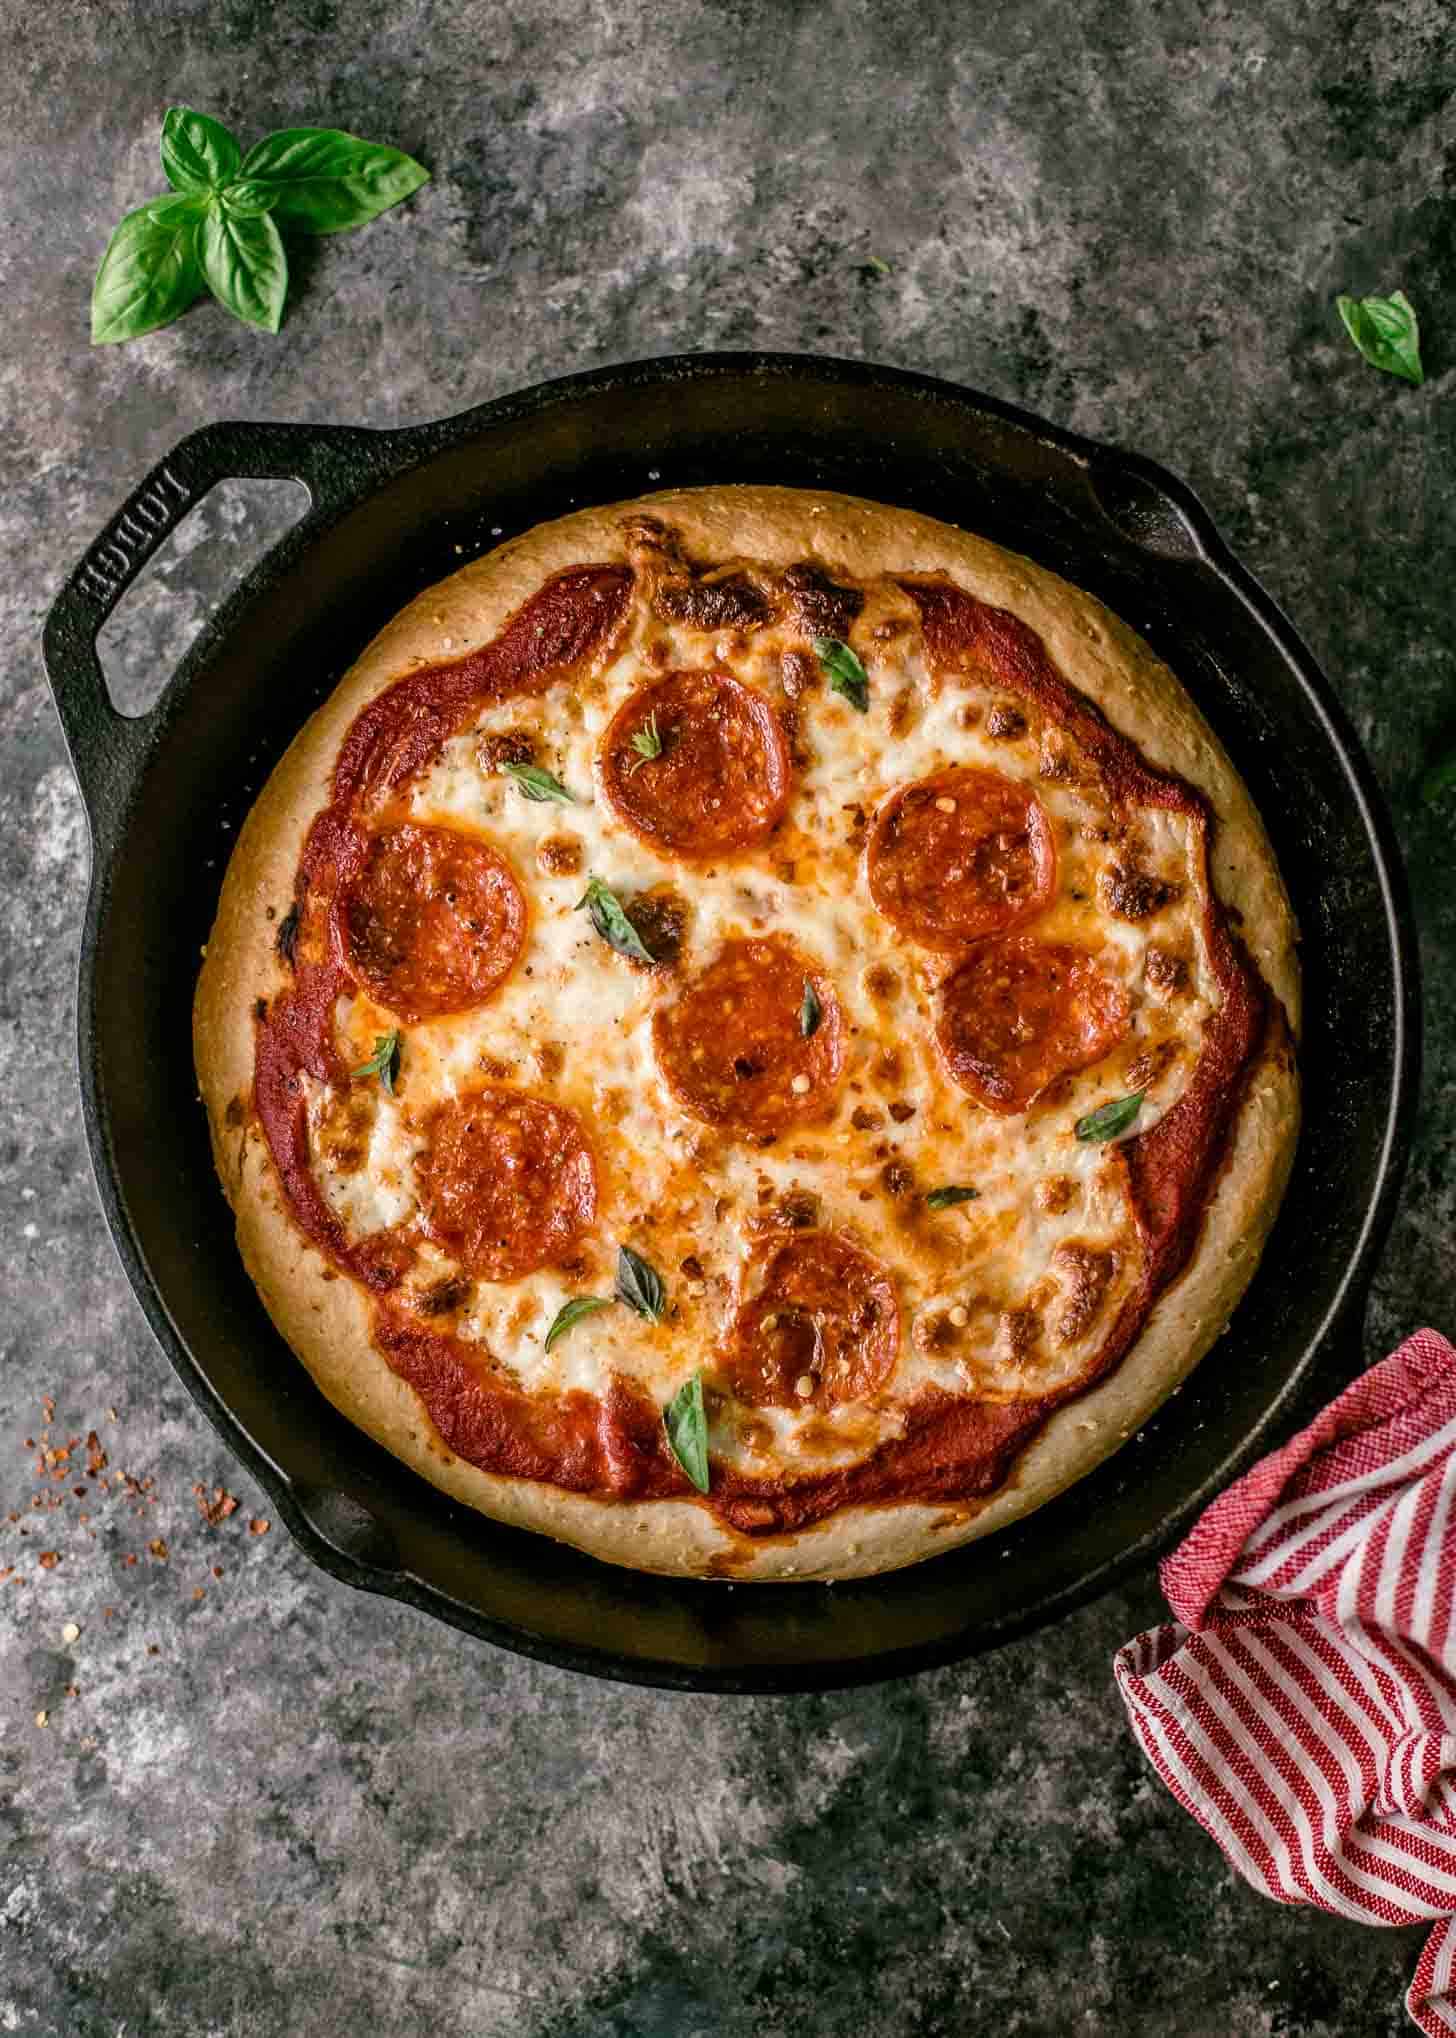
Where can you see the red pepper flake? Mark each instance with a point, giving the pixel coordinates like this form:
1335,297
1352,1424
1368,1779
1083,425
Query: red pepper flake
49,1559
199,1592
79,1493
259,1525
73,1691
48,1407
108,1612
217,1570
158,1549
30,1443
128,1560
153,1649
96,1458
216,1506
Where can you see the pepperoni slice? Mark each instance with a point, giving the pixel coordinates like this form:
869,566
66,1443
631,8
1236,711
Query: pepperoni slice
720,779
961,855
435,920
507,1182
822,1328
1018,1014
733,1048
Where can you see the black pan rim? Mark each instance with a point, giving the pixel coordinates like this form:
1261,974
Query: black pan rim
396,451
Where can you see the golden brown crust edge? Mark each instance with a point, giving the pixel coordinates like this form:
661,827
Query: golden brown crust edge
325,1318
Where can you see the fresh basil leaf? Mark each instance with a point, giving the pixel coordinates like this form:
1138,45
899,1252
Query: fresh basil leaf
384,1062
646,742
537,784
844,672
248,197
571,1313
1386,331
950,1195
148,276
245,267
686,1421
640,1285
198,153
1110,1119
328,181
178,206
810,1012
605,911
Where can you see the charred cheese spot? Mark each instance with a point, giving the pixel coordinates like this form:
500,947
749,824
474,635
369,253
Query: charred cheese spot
560,855
1055,1195
820,606
505,746
1166,974
1005,722
798,672
1018,1333
1135,894
1085,1273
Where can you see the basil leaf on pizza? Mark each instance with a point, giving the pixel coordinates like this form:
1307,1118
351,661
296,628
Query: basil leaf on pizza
777,998
383,1063
811,1012
646,742
686,1421
572,1313
843,670
608,915
1108,1120
539,785
640,1285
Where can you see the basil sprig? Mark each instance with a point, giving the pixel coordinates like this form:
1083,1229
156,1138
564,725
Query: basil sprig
571,1313
606,913
686,1421
537,784
1387,332
384,1062
640,1285
810,1012
646,742
1110,1119
218,229
950,1195
844,672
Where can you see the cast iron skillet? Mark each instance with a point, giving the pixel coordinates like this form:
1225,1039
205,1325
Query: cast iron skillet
391,512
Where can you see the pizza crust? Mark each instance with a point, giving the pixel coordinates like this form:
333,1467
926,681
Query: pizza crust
325,1317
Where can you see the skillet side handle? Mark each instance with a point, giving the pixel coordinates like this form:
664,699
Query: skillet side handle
106,747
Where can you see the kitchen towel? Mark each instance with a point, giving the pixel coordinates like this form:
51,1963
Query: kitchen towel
1302,1706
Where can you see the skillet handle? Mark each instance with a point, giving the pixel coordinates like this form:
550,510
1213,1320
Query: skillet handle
105,746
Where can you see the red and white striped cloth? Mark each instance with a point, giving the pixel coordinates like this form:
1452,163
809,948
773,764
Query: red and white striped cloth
1303,1704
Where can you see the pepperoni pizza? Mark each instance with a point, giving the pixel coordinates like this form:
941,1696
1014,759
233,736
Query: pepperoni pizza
752,1033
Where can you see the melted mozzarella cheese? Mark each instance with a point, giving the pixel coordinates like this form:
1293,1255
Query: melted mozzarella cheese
573,1023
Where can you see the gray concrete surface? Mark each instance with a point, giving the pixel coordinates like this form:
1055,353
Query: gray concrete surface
255,1802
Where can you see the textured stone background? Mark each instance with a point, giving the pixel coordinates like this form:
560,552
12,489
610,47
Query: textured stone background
261,1802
